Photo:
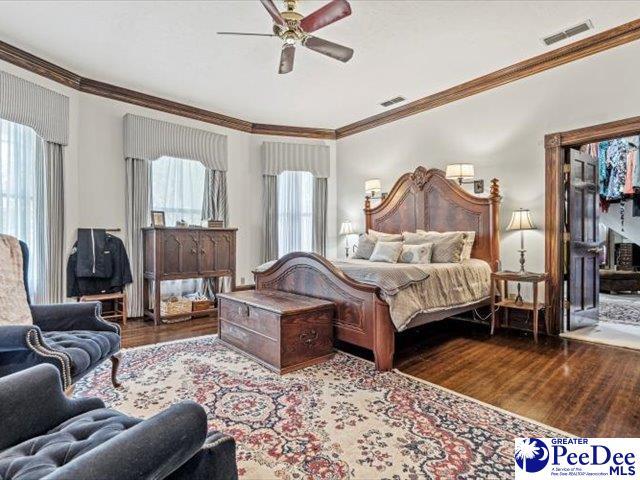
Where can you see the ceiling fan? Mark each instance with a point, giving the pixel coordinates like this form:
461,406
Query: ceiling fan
294,28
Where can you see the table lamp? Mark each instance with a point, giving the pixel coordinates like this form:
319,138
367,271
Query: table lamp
521,220
346,229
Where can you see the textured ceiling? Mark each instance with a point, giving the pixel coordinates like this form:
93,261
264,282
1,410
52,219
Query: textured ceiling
409,48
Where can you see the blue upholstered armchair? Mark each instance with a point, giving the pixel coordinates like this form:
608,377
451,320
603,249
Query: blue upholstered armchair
46,435
70,336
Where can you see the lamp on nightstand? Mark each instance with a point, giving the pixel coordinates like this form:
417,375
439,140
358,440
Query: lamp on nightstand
521,220
346,229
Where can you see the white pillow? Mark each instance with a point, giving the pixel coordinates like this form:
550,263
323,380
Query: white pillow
386,252
416,253
386,237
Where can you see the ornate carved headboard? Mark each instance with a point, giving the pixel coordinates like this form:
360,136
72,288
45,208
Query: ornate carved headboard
426,200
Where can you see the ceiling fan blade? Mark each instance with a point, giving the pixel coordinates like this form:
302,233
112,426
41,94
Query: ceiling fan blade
248,34
274,12
286,58
328,48
331,12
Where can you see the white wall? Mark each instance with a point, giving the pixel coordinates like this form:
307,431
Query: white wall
501,132
611,219
95,174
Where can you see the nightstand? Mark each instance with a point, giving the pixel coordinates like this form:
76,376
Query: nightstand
502,279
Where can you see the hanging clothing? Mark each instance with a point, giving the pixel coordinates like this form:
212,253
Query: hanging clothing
616,169
635,175
93,256
113,253
603,169
632,157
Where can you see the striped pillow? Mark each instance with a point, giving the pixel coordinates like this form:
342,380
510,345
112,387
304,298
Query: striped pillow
366,244
386,237
468,242
447,247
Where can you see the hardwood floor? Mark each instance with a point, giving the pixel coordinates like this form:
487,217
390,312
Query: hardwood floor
582,388
138,332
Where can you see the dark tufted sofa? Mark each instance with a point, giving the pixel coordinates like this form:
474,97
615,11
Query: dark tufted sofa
70,336
46,435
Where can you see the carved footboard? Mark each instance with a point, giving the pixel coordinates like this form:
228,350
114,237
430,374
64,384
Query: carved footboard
360,317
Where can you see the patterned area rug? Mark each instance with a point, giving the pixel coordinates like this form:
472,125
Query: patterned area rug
340,419
614,310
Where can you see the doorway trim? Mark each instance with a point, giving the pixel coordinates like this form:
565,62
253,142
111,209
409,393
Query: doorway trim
556,145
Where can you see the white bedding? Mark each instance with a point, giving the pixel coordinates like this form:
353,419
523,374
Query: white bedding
444,286
449,285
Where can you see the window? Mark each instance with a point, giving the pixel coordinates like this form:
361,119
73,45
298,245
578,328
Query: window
22,195
177,188
295,212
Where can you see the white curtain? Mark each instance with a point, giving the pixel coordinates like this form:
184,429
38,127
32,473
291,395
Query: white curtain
178,189
295,212
22,191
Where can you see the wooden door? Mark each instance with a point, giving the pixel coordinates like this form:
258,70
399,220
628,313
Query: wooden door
584,245
180,253
216,250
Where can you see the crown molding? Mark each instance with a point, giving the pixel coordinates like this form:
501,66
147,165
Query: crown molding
600,42
623,34
42,67
265,129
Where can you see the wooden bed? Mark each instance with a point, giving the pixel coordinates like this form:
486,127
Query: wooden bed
424,200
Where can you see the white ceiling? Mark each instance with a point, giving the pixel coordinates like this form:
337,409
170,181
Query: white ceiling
411,48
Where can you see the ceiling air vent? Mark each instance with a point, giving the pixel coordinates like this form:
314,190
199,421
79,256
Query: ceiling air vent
569,32
392,101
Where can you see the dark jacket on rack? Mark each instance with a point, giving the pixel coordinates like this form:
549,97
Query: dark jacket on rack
93,255
98,264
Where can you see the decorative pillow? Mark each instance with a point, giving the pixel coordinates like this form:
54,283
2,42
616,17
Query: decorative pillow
468,245
447,246
386,252
416,253
386,237
415,238
468,242
366,244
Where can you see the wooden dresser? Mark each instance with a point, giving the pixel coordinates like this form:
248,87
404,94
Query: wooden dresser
175,253
280,330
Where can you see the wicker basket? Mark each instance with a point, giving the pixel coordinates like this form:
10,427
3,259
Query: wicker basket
175,306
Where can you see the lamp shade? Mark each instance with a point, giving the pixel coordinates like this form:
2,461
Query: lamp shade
521,220
346,228
373,187
460,170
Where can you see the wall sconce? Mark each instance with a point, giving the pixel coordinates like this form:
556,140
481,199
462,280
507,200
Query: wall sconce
373,188
464,173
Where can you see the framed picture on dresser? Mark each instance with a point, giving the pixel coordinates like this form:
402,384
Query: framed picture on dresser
157,218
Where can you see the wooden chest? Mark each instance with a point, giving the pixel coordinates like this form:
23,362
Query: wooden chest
281,330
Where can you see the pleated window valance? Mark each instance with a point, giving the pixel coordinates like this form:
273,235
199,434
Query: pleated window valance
298,157
149,139
44,110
